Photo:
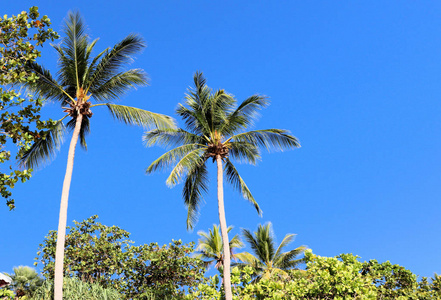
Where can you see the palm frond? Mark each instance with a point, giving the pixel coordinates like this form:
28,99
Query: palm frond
245,114
170,137
186,164
276,139
135,116
194,120
247,258
237,182
196,184
254,244
170,157
285,242
118,57
287,260
244,152
44,149
117,85
46,86
74,46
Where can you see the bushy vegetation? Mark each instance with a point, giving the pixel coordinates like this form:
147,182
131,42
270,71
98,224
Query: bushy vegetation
342,277
75,289
101,254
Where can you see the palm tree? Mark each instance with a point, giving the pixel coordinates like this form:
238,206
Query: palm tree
215,130
25,281
267,260
210,246
80,78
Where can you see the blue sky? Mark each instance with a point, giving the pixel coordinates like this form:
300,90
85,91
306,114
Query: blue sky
357,82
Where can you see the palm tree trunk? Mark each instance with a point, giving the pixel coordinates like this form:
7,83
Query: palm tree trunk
224,230
62,220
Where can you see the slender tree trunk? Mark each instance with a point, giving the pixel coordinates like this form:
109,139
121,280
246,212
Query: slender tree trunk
224,231
62,220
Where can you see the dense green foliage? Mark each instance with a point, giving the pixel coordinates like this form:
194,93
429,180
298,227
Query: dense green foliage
75,289
104,255
20,124
342,277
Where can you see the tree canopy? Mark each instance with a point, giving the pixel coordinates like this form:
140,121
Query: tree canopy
21,36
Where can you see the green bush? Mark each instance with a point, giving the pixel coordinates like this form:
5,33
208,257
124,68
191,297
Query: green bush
75,289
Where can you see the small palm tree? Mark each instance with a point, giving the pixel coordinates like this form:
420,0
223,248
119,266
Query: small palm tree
82,77
267,260
211,249
216,129
25,281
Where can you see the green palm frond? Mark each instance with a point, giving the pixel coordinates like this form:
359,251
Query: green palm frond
276,139
119,84
185,165
288,261
44,149
247,258
74,46
135,116
168,137
170,157
245,114
244,152
119,56
194,120
196,184
237,182
46,86
285,242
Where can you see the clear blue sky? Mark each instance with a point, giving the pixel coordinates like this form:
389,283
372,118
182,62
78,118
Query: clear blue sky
358,82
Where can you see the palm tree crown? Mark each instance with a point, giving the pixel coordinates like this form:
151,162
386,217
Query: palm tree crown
210,246
25,281
82,77
267,259
215,127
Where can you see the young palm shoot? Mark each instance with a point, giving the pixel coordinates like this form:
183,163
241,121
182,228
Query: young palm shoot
82,78
215,129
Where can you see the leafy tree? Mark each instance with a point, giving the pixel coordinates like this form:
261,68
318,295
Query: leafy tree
20,124
96,253
25,281
215,130
163,271
268,260
82,77
210,246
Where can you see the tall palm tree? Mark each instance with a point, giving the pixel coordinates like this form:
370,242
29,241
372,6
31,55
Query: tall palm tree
82,77
216,128
25,281
267,260
210,246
